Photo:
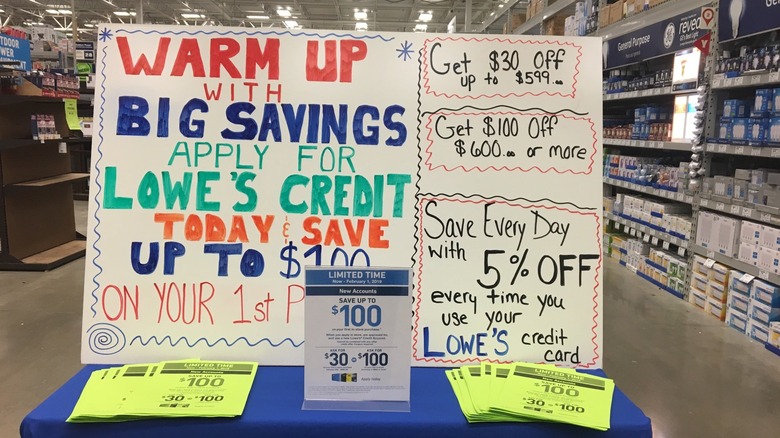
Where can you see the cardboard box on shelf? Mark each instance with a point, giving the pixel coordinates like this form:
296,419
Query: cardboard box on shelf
738,303
616,12
736,321
555,25
758,331
748,253
715,308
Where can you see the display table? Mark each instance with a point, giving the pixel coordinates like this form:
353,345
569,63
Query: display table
274,410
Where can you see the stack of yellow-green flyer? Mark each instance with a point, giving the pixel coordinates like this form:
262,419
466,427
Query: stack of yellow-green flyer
191,388
531,392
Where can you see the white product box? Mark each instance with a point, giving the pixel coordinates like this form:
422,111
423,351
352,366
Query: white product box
750,232
769,260
748,253
759,332
770,237
758,311
738,303
737,321
715,308
737,286
704,230
727,236
699,282
764,292
697,298
717,291
718,274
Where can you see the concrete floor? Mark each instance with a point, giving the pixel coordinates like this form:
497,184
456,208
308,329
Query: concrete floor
690,373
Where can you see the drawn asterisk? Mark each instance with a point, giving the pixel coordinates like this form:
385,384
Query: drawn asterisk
105,35
405,50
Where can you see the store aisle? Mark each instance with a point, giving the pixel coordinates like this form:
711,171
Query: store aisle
690,373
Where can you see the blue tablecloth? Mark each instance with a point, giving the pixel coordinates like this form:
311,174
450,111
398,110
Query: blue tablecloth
274,410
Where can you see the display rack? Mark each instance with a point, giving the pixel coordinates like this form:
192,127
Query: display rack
671,244
648,144
37,223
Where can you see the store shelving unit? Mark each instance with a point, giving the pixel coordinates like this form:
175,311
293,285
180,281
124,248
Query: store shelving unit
644,231
648,144
666,194
671,244
37,223
736,264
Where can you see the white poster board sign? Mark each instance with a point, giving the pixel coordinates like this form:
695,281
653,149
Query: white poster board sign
227,159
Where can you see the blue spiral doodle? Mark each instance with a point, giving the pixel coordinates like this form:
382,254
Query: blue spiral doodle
105,339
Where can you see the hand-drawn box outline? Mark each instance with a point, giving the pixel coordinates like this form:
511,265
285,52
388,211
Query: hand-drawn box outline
426,79
418,285
433,167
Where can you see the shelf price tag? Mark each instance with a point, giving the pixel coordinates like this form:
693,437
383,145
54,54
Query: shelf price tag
735,209
747,278
646,239
774,77
766,217
654,241
720,206
755,152
681,196
710,254
709,262
747,212
710,147
739,150
756,79
357,343
738,80
722,148
764,275
666,245
775,152
681,251
705,203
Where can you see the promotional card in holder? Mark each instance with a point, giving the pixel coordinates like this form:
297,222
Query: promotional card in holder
357,339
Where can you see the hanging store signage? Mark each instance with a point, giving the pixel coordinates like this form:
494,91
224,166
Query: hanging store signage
741,18
14,53
657,39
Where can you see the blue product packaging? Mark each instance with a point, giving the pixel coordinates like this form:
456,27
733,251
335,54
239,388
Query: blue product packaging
763,100
725,128
735,108
756,130
739,128
776,101
772,134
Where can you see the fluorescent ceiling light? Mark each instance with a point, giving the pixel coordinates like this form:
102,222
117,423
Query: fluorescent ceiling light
59,11
258,17
89,25
290,24
108,2
124,14
421,28
1,11
361,25
37,3
361,15
188,15
426,16
284,13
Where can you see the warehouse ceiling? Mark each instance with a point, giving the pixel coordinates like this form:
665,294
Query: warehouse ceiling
432,16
